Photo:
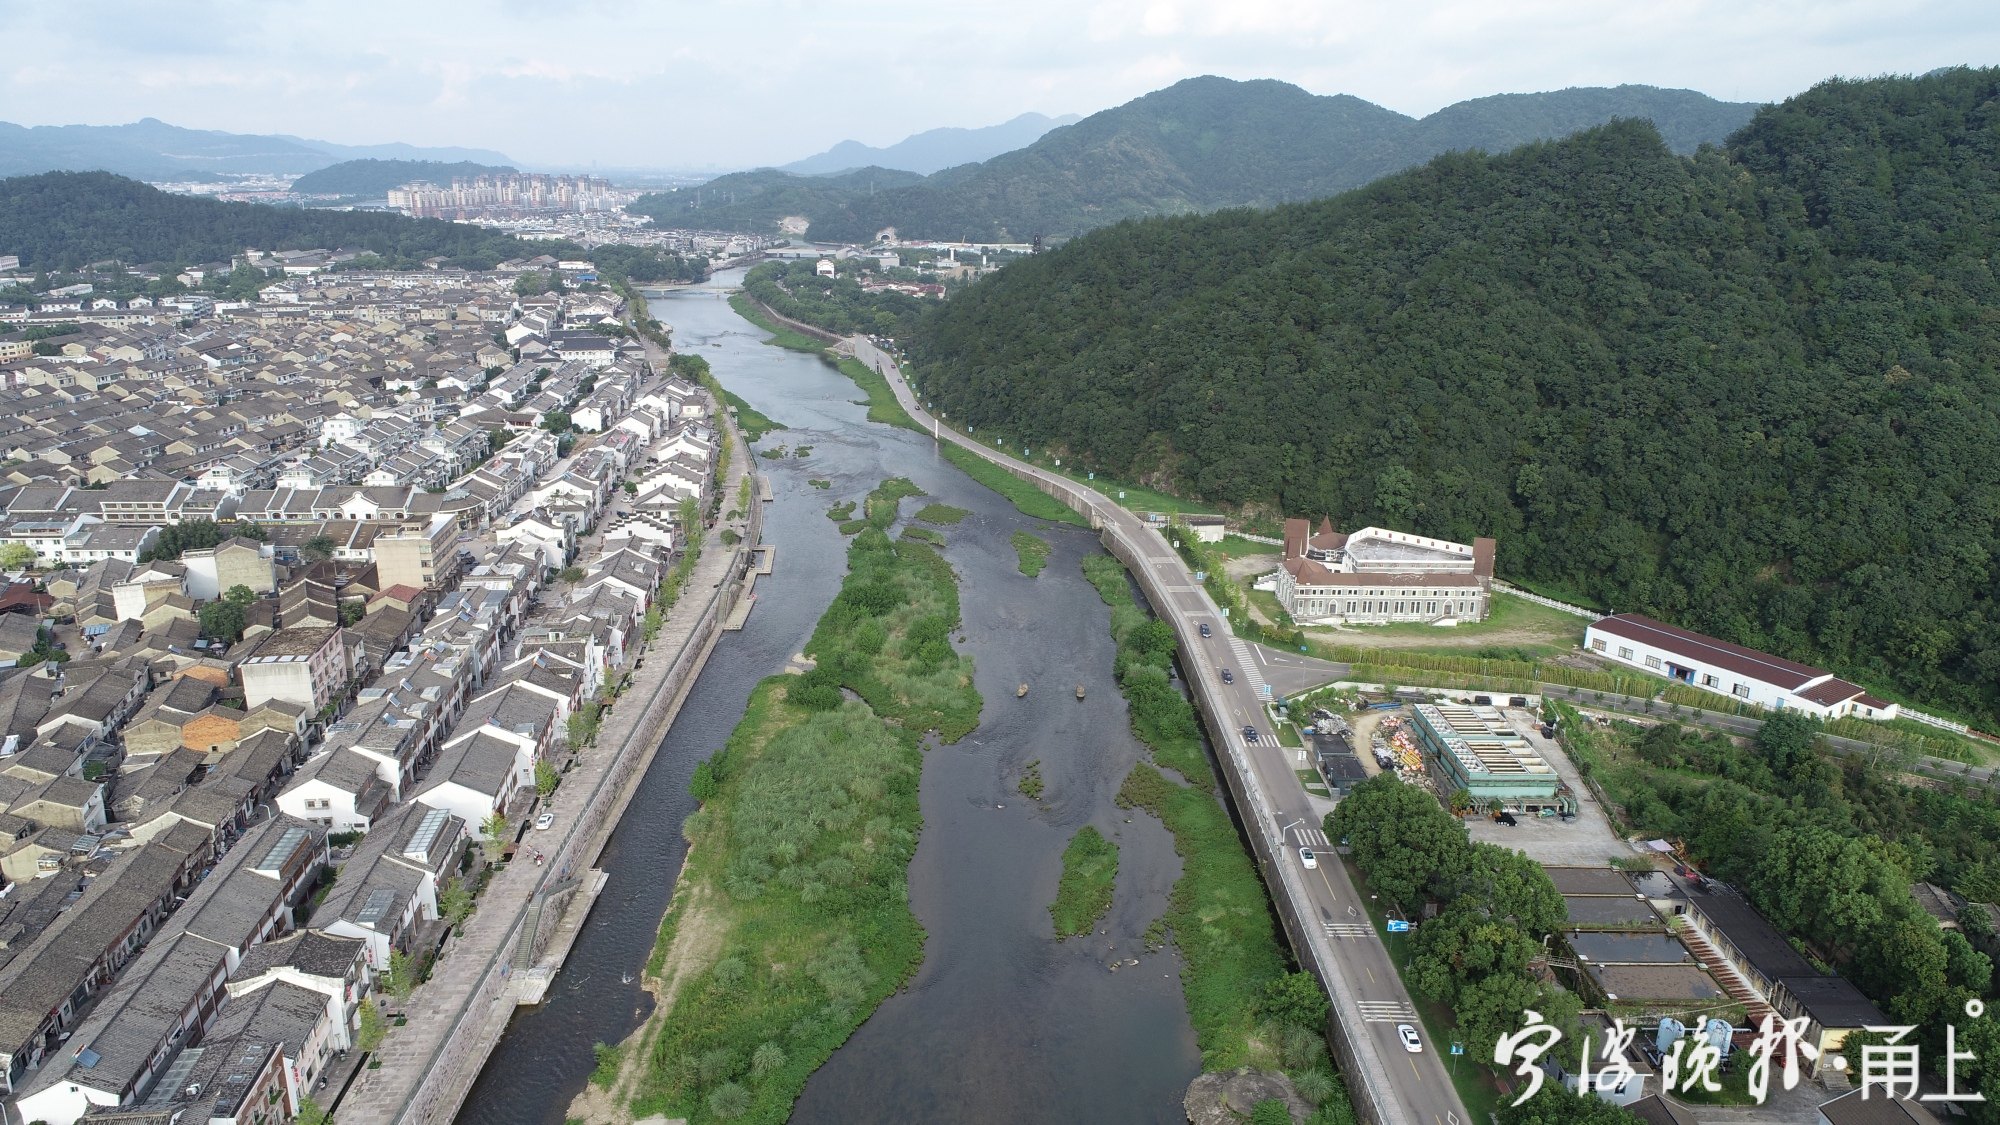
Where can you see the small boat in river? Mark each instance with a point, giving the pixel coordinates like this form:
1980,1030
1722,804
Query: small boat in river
1079,691
1021,692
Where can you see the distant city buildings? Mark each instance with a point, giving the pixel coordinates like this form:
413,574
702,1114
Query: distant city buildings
507,194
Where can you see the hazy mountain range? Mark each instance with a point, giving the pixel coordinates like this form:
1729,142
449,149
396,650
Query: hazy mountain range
934,149
1199,145
151,149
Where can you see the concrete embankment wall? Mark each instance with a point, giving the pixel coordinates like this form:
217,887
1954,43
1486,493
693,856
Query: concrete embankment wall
481,1018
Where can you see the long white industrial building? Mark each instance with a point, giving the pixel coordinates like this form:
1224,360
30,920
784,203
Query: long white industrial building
1732,670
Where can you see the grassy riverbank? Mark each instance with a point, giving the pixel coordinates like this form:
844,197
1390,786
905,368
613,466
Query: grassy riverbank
1218,912
882,404
1031,500
1161,716
1089,870
787,338
792,919
753,422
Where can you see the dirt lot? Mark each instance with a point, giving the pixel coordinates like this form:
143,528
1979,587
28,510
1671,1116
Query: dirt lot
1588,841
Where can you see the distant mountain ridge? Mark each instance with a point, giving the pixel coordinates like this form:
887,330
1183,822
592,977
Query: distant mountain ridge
1199,145
934,149
150,149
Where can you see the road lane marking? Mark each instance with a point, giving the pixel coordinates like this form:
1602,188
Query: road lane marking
1413,1069
1346,929
1386,1011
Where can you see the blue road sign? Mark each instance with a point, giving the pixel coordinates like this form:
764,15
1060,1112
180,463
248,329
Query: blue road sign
1398,926
1458,1048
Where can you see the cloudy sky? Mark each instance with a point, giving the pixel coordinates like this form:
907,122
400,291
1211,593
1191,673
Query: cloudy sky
730,83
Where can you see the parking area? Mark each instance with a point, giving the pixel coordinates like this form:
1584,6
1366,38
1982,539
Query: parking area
1589,840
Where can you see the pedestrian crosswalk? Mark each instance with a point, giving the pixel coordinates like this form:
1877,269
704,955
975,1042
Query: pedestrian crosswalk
1246,662
1345,929
1386,1011
1310,837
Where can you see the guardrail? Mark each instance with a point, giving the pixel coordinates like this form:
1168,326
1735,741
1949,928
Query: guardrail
1573,610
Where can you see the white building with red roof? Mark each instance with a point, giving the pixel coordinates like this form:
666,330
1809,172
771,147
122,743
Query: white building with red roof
1728,669
1375,577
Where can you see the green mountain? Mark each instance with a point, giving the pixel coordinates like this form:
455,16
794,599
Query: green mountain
1199,145
63,220
1755,391
375,177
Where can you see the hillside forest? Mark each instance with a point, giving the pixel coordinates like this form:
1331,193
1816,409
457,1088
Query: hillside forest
1752,390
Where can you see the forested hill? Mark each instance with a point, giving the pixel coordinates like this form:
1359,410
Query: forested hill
63,220
1753,391
1198,145
376,177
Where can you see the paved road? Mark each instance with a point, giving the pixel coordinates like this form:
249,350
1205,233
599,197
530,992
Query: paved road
1362,979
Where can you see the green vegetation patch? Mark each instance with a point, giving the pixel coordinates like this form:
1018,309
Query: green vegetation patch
1089,871
1030,784
853,527
1030,500
1218,911
1219,914
787,338
1161,716
754,422
800,853
818,483
880,509
842,512
882,404
943,514
925,535
1032,551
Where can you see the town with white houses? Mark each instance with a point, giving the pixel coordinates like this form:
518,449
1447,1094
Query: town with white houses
303,597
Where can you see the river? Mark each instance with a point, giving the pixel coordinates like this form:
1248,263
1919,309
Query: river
1001,1023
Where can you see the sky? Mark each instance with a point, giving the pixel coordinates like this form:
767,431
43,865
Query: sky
736,83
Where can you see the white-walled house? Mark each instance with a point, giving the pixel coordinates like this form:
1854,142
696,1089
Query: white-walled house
1731,670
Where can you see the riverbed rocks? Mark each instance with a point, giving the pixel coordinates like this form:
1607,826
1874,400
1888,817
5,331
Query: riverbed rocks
1227,1098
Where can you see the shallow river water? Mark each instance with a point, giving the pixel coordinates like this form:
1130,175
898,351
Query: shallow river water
1001,1023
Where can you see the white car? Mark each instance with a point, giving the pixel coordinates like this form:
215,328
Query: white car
1408,1035
1308,859
545,821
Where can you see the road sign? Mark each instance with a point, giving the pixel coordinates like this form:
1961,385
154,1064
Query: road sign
1398,926
1458,1048
1267,690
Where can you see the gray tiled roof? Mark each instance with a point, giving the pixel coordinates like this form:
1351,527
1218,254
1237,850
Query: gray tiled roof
309,951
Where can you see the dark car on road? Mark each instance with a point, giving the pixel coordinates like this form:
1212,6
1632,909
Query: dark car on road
1204,629
1249,734
1227,678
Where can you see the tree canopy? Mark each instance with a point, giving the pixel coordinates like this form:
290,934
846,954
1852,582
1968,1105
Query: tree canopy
1752,391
